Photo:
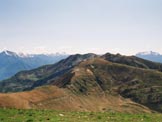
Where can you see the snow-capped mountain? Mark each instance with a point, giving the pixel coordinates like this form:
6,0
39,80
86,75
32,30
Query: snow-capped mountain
11,62
8,53
150,55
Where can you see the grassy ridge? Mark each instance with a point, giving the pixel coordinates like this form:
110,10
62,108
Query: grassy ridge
15,115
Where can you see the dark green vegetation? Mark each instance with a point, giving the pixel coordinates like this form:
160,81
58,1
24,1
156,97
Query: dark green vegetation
14,115
91,75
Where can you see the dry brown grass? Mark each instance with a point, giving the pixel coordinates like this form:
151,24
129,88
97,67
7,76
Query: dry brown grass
52,97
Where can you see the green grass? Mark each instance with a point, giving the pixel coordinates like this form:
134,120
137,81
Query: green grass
14,115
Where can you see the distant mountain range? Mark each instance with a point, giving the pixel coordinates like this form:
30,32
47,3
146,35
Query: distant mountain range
150,55
11,62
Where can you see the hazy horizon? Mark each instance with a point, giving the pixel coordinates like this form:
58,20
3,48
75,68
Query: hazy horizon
82,26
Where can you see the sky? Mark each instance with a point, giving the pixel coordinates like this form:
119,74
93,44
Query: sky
81,26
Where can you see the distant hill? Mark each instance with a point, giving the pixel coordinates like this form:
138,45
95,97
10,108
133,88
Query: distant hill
152,56
109,82
11,62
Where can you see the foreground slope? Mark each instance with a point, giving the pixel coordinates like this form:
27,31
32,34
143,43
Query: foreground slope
52,97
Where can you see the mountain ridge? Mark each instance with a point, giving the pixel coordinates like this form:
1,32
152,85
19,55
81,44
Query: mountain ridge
88,76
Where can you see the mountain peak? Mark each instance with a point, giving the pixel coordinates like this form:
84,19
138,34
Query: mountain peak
8,53
14,54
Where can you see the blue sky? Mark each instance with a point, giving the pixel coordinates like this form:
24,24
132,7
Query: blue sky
81,26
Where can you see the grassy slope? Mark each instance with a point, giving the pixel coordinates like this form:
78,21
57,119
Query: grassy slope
52,97
19,115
